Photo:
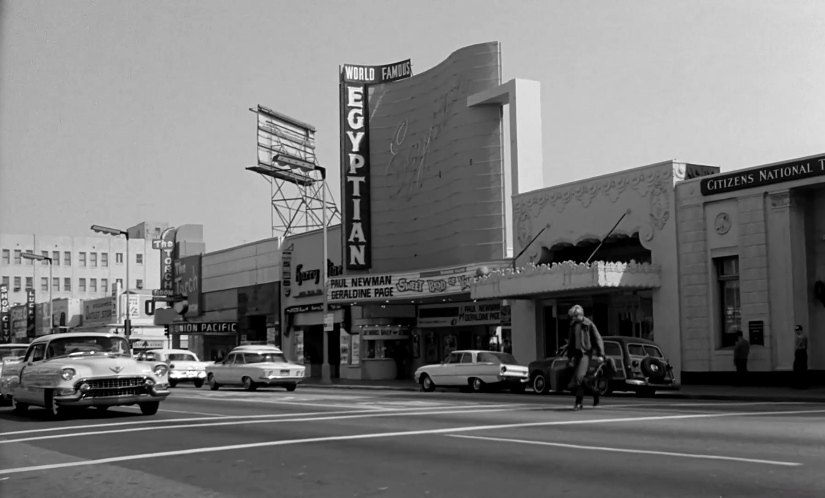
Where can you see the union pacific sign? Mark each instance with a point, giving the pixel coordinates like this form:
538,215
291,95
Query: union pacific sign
355,155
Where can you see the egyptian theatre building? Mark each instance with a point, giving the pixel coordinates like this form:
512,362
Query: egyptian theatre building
424,209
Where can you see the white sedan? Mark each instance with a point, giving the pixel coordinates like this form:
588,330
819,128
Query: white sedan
476,369
253,366
184,365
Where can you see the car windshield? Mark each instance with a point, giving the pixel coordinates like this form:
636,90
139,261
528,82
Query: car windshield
496,357
264,358
88,346
182,357
12,353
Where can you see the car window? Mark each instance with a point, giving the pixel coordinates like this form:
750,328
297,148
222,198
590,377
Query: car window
467,358
612,348
93,345
653,351
635,350
273,358
12,352
182,357
453,358
235,359
253,358
36,352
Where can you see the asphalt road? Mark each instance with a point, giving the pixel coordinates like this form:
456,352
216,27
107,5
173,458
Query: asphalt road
341,443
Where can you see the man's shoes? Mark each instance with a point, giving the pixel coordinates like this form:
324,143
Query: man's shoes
595,401
577,407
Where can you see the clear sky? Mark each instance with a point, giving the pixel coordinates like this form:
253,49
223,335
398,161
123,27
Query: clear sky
115,112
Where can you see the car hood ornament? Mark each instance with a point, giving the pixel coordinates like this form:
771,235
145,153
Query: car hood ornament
116,369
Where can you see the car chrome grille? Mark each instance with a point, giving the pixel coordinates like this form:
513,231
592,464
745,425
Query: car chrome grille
120,386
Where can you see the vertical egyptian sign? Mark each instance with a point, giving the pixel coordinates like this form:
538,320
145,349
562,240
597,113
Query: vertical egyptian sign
31,331
5,318
166,245
355,155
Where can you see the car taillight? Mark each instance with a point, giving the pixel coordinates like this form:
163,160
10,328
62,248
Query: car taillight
503,369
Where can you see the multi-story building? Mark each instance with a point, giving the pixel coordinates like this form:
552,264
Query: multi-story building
83,267
80,267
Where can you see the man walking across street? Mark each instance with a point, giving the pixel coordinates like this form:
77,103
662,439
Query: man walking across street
584,345
800,358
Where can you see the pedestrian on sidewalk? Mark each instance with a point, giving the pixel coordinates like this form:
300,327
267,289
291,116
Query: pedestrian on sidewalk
800,358
741,350
584,345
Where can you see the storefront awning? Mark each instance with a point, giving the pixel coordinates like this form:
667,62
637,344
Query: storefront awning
563,277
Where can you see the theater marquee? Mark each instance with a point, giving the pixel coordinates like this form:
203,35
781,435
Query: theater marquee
355,156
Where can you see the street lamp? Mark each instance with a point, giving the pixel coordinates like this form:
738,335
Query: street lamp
326,377
127,321
40,257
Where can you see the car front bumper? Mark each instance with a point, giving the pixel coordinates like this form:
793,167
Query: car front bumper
662,386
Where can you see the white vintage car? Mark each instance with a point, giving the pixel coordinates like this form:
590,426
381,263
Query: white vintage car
184,365
62,371
254,366
476,369
10,353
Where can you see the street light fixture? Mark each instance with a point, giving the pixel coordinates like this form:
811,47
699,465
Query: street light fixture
127,321
40,257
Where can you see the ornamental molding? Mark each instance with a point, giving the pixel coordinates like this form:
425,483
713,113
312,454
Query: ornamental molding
655,183
562,277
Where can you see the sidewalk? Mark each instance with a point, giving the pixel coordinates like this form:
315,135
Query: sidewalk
710,392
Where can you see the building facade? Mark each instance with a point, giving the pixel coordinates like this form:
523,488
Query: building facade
752,259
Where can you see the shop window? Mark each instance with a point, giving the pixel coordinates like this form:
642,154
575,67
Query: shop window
727,278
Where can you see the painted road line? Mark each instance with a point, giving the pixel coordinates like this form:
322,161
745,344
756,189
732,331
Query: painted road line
353,437
628,450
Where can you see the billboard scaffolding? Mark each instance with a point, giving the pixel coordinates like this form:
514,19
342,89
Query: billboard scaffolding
301,198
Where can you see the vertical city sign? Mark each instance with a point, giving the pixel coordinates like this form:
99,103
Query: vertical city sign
166,245
5,318
31,331
355,155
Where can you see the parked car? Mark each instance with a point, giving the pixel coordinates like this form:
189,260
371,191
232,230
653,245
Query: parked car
184,365
476,369
77,369
10,353
254,366
633,364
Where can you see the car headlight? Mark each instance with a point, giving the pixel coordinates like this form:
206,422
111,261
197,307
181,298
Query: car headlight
67,373
503,369
269,373
160,369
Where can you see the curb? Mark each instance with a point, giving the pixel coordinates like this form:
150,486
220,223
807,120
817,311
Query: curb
779,398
